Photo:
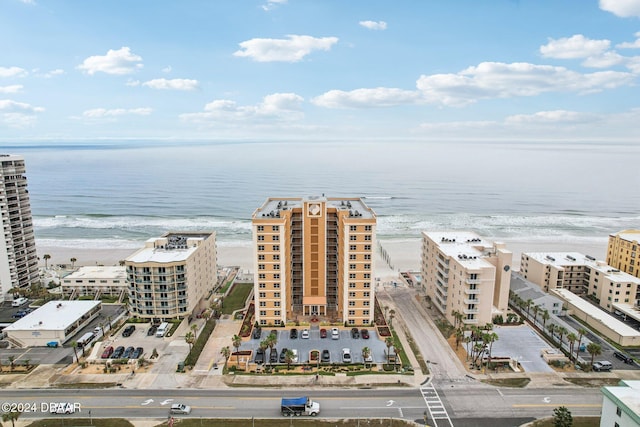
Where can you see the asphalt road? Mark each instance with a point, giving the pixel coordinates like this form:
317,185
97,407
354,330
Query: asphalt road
486,403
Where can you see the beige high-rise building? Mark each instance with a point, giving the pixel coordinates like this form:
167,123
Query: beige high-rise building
18,257
314,260
463,273
623,251
170,277
582,274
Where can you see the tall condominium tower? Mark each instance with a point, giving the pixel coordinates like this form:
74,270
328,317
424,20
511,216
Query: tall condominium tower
623,251
18,257
314,260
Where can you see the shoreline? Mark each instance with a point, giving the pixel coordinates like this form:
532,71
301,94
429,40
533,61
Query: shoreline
401,254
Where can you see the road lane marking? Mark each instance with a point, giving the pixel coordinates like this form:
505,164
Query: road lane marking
553,405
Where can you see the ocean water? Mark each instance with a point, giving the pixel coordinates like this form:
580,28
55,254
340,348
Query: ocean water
118,194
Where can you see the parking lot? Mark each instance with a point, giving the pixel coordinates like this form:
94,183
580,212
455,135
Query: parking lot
139,338
304,346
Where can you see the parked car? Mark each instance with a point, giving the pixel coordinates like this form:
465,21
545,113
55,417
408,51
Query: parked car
346,355
335,333
152,330
602,365
259,358
305,334
128,331
117,353
107,352
355,333
326,356
128,352
20,314
294,359
273,355
364,334
257,332
323,333
625,358
137,353
293,334
180,408
368,358
283,355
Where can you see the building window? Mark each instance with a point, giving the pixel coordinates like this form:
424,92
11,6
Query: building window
276,285
352,266
276,303
352,275
367,228
263,312
367,247
276,294
352,285
263,303
352,312
367,276
261,228
262,276
276,266
366,294
353,227
275,228
260,266
352,256
353,238
276,313
262,285
260,257
276,257
276,238
276,276
352,322
352,303
365,303
367,285
618,411
367,256
262,294
367,266
367,237
365,312
352,294
352,247
276,247
261,247
260,238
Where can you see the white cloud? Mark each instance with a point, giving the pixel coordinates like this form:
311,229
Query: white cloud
367,98
292,49
118,62
605,60
12,72
11,89
632,45
11,106
174,84
576,46
374,25
277,106
271,4
621,8
552,118
500,80
97,113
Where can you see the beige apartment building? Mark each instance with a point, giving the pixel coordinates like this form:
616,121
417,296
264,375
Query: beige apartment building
623,251
314,260
18,257
170,277
582,274
464,273
95,281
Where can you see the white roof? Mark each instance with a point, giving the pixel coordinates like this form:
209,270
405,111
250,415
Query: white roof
567,259
628,394
466,247
596,313
54,315
99,272
629,235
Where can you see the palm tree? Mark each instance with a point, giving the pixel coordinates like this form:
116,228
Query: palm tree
582,332
74,345
288,357
389,344
271,341
194,328
536,309
594,350
551,328
392,314
545,317
528,303
226,353
12,362
46,258
572,338
236,341
459,335
561,330
366,352
190,339
73,262
11,416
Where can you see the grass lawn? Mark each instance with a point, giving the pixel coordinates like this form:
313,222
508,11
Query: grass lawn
508,382
197,422
237,298
577,422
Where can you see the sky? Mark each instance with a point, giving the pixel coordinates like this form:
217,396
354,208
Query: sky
432,70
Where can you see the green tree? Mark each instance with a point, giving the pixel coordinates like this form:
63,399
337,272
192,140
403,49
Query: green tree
11,416
562,417
12,362
594,350
74,345
545,317
46,258
392,314
73,262
572,338
389,343
288,357
536,310
226,353
581,332
194,329
190,338
528,304
366,352
236,341
561,330
271,340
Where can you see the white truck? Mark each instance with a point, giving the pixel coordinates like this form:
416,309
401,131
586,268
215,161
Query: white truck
296,406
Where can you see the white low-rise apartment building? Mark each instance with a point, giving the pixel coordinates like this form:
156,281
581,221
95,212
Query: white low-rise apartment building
170,277
621,405
95,281
464,273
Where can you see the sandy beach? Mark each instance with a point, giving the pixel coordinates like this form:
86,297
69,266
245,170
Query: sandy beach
402,255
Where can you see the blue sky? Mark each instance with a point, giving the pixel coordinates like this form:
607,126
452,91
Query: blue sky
320,70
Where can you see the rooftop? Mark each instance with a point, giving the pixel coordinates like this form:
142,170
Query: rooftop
54,315
596,313
467,247
98,272
172,247
567,259
355,206
629,235
627,395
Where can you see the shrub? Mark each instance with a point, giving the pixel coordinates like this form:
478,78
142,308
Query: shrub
198,346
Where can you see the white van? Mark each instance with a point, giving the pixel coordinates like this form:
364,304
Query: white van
162,330
19,301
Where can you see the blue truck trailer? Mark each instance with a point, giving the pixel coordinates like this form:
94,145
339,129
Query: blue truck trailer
296,406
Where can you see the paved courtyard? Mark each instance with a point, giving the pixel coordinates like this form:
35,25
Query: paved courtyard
522,344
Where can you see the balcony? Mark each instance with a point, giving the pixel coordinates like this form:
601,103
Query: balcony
444,272
470,281
471,301
470,311
472,291
470,321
